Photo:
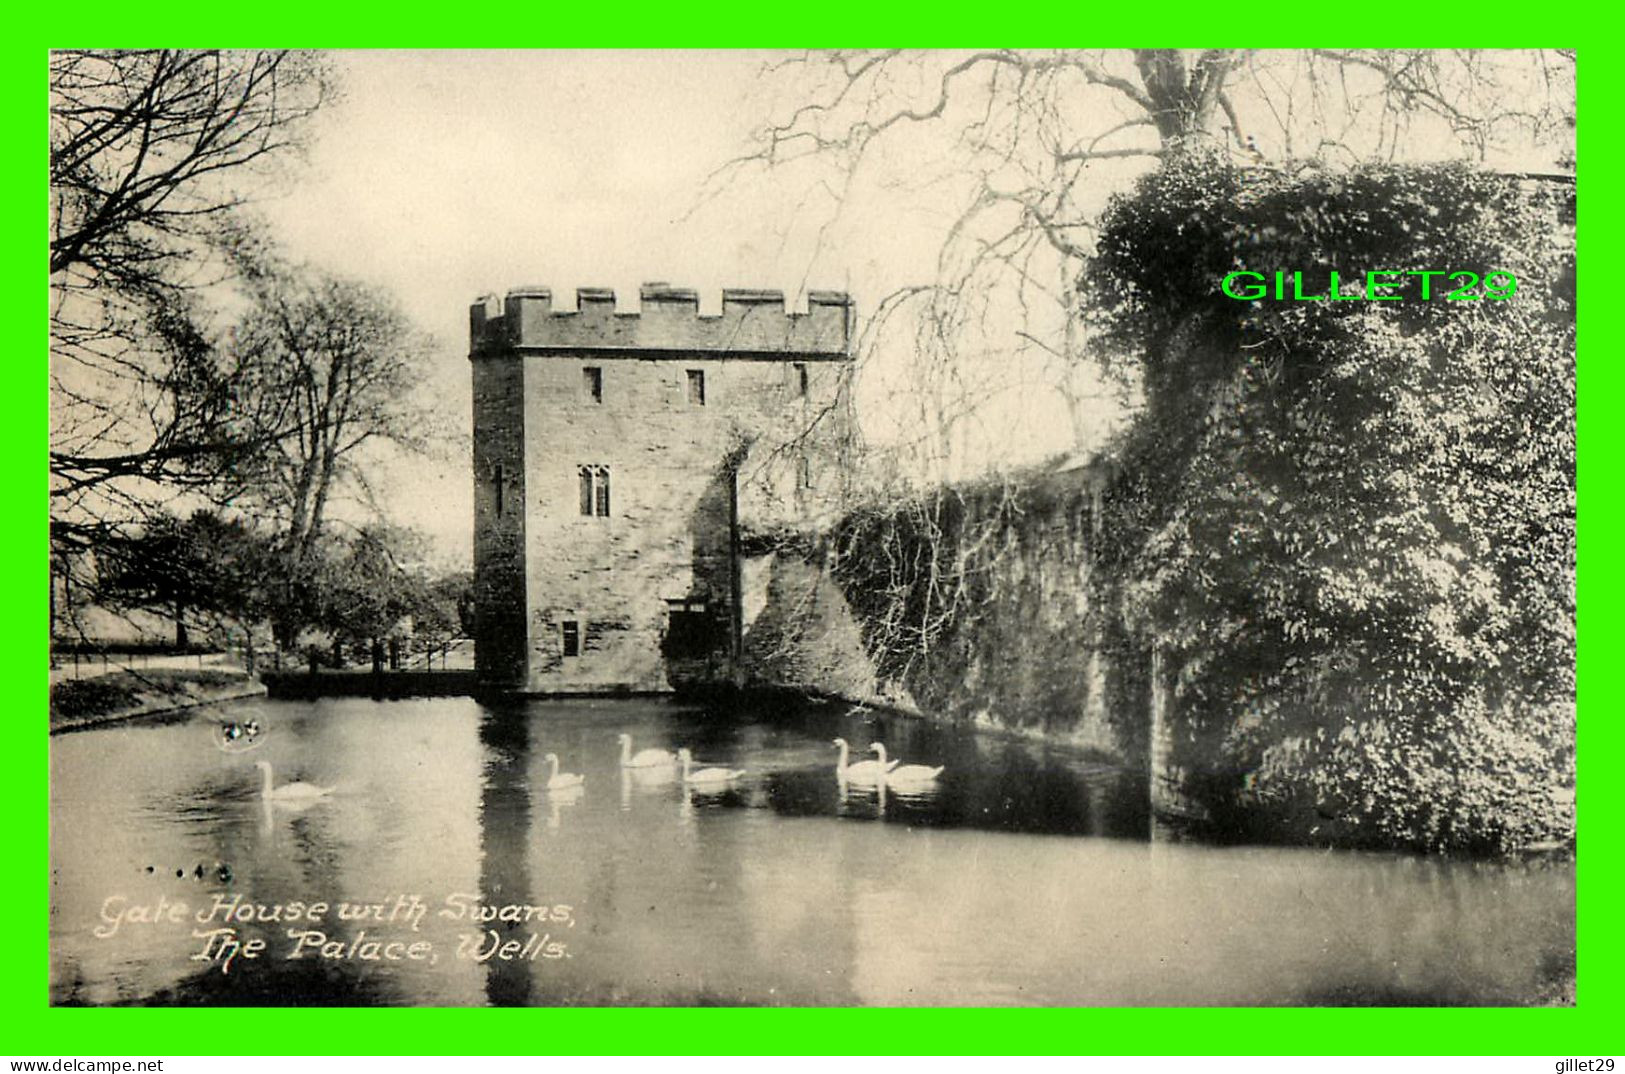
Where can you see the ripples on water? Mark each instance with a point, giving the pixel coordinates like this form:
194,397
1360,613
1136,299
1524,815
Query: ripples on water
1024,876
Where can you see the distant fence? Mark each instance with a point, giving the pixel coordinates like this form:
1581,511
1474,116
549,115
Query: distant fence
79,663
454,655
81,660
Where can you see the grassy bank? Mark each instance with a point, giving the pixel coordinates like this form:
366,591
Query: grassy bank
77,703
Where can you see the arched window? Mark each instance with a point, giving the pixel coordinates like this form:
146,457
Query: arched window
594,487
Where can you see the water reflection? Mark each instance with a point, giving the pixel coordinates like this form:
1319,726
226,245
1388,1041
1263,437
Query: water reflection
505,811
1022,875
655,780
559,800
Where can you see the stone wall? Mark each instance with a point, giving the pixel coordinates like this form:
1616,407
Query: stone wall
499,519
727,518
968,606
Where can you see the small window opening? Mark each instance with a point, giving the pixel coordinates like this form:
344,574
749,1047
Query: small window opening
696,387
571,631
801,378
501,487
592,379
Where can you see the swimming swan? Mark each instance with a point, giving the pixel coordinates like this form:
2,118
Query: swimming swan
288,792
648,758
906,773
557,781
706,775
863,771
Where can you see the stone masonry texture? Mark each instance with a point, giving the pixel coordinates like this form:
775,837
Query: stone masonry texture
625,464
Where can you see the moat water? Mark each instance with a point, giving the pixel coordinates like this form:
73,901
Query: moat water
1026,875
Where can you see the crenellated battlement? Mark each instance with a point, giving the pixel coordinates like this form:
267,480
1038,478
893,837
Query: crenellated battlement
752,323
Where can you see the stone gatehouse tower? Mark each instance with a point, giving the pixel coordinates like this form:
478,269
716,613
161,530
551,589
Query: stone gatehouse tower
625,464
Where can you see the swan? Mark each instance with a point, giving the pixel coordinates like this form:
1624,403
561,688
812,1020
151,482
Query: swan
906,773
863,771
648,758
557,781
705,775
288,792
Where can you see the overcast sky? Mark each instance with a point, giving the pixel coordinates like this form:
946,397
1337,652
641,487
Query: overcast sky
443,176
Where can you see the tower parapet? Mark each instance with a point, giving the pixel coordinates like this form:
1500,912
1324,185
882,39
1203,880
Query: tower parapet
752,323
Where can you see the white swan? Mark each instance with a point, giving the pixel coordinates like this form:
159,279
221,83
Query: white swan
557,781
649,758
288,792
906,773
863,771
705,775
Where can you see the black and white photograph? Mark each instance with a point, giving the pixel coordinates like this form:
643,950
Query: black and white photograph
883,528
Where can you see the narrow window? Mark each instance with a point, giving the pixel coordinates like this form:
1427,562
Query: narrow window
696,387
801,378
500,488
571,631
592,379
806,475
594,484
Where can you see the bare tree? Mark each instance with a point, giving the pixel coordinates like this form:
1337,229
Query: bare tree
345,365
1026,146
149,154
139,141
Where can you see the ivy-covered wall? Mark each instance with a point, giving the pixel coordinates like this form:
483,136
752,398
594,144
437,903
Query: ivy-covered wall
1348,525
1342,532
969,605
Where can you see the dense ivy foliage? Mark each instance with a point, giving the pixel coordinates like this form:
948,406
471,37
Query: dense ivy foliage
1350,525
973,606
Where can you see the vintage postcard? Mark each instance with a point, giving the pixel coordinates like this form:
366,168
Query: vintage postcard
988,528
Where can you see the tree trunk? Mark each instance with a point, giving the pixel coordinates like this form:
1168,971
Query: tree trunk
1184,98
181,639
